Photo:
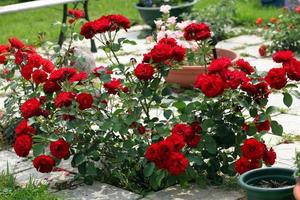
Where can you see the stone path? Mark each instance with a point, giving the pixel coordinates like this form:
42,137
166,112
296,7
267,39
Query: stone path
246,45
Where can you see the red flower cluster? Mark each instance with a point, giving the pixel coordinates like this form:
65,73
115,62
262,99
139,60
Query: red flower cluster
60,149
3,53
166,154
31,107
245,66
262,125
165,52
210,84
76,13
44,163
197,32
253,152
258,91
114,86
97,71
23,145
276,78
283,56
24,129
144,72
104,24
85,100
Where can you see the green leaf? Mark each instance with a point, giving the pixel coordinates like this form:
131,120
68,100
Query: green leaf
149,169
195,159
168,113
115,47
91,169
271,109
252,130
207,123
287,99
253,112
38,149
210,144
132,42
180,105
78,159
277,129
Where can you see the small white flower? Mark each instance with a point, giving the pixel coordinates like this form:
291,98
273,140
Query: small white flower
172,20
162,28
165,9
160,35
158,23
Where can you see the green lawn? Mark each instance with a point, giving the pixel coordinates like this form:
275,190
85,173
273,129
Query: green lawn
27,24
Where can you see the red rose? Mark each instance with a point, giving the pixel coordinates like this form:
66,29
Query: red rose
276,78
197,32
44,163
245,66
60,149
62,74
113,86
100,70
253,149
283,56
47,65
78,77
26,71
76,13
297,9
211,85
3,53
39,76
50,87
243,165
23,145
258,91
259,21
147,57
269,157
182,129
292,68
88,30
152,152
30,108
177,141
179,53
169,41
85,100
23,128
19,57
161,53
16,43
234,78
144,71
119,21
165,149
219,65
262,126
193,141
64,99
177,163
141,129
262,50
102,25
35,60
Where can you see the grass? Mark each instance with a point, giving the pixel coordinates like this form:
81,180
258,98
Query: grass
28,24
9,190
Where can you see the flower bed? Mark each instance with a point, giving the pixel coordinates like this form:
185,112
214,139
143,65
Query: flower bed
104,121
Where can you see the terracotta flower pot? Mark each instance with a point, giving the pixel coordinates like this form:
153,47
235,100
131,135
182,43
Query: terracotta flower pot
297,191
186,76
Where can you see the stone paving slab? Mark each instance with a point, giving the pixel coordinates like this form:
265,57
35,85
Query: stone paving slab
289,122
8,158
98,191
194,193
286,154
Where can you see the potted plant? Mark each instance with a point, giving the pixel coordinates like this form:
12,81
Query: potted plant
281,31
268,183
297,175
150,9
108,125
199,45
278,3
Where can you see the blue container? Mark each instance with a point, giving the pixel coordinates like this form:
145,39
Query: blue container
278,3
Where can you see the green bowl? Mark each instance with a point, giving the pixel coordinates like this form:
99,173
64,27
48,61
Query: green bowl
249,179
149,14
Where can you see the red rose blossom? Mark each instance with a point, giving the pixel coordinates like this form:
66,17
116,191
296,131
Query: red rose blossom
262,50
211,85
219,65
88,30
76,13
276,78
26,71
119,21
60,149
283,56
177,141
30,108
64,99
182,129
234,79
197,32
39,76
113,86
253,149
62,74
262,126
44,163
269,157
98,71
16,43
152,152
161,53
144,71
23,145
47,65
23,128
259,21
177,164
292,68
193,141
3,53
245,66
50,87
243,165
85,100
78,77
141,129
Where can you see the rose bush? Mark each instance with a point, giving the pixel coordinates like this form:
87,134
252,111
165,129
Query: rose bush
106,122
